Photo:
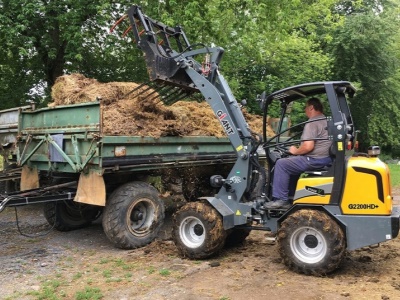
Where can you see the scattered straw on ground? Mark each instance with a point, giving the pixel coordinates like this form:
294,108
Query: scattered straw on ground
141,113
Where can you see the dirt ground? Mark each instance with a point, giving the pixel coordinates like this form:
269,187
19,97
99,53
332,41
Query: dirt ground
83,264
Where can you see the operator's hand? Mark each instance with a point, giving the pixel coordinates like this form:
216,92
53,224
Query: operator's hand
292,150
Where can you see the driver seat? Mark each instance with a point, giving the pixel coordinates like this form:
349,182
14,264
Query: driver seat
328,169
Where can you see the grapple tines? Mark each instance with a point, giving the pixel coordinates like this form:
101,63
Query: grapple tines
164,48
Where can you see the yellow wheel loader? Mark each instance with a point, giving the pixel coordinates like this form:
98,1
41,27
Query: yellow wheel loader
344,206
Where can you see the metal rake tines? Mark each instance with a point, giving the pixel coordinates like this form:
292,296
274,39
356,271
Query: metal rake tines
165,92
181,94
156,90
148,84
159,90
169,95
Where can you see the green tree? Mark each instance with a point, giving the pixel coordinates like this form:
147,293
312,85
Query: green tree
272,44
364,53
44,39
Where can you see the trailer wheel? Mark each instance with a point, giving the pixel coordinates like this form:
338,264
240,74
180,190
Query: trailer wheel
198,230
133,215
69,215
310,242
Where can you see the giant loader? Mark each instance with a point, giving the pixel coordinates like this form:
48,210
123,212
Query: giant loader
345,206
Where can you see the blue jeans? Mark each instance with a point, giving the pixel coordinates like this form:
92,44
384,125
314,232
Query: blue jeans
287,172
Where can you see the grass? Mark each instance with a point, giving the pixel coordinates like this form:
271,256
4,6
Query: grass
81,285
165,272
77,276
107,273
48,291
395,175
89,293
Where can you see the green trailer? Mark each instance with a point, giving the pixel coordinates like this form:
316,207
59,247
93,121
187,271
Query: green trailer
67,161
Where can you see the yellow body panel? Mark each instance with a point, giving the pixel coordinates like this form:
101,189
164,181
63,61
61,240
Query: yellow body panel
313,190
362,193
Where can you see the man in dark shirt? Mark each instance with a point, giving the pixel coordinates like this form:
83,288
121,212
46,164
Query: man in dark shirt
311,155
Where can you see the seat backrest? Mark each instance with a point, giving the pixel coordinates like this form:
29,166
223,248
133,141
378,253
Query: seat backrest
332,151
328,169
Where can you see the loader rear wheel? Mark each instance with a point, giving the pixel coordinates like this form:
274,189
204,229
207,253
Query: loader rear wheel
198,230
311,242
69,215
133,215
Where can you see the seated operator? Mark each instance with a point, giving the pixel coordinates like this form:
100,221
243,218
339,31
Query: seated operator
310,155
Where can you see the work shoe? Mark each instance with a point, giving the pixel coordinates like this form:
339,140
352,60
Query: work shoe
278,204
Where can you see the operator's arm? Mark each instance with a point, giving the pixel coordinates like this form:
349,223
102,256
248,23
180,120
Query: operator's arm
305,147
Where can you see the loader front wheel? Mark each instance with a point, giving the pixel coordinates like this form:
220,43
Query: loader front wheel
311,242
133,215
198,231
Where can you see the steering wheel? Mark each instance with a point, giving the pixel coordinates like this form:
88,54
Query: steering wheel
278,152
284,150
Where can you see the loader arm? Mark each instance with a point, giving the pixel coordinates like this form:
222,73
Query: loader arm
170,60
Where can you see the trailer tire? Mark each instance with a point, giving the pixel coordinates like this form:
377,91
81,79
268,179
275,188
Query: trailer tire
198,231
69,215
133,215
311,242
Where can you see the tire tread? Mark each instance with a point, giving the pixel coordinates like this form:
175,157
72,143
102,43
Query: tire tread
315,219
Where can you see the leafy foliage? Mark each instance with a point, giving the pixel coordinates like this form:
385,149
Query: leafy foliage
45,39
268,45
364,53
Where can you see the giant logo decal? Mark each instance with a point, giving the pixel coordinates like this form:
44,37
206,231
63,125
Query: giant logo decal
225,123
